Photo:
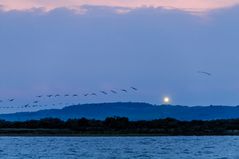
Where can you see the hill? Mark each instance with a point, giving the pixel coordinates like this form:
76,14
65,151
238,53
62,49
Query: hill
134,111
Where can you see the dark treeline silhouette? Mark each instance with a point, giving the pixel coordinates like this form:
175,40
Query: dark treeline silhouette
120,126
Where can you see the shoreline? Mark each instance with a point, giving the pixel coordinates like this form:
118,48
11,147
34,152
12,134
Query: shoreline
99,136
50,133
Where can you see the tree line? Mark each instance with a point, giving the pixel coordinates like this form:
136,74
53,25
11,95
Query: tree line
122,125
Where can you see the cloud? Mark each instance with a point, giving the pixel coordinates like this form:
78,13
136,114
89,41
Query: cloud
200,6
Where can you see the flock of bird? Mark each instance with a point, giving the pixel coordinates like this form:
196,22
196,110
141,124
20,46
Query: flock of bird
37,101
4,104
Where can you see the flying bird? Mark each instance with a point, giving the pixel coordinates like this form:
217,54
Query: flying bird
86,94
49,96
124,90
35,102
11,100
74,95
26,105
135,89
205,73
113,91
39,96
93,94
103,92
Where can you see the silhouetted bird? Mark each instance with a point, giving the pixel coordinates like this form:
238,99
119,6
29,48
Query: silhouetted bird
11,100
135,89
124,90
39,96
49,96
103,92
205,73
113,91
74,95
66,95
27,105
93,94
86,94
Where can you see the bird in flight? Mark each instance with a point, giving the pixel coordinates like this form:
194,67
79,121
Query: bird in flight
74,95
66,95
39,96
103,92
49,96
86,94
124,90
35,102
93,94
113,91
11,100
26,105
205,73
135,89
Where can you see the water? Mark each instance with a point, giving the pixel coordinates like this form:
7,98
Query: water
119,147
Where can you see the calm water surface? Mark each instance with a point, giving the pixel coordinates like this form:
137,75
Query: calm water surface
119,147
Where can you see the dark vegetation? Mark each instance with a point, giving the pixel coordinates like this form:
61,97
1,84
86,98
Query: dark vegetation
119,126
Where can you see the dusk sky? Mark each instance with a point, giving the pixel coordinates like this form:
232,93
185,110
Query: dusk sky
158,46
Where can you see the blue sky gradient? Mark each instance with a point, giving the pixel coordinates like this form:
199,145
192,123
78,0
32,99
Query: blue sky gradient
155,49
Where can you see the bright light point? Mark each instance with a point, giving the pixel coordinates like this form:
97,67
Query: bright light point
166,100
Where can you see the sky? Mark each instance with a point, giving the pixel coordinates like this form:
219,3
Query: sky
77,47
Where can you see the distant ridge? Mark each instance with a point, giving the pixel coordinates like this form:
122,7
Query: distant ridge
134,111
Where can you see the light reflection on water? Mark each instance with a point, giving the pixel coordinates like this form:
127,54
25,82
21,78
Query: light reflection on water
119,147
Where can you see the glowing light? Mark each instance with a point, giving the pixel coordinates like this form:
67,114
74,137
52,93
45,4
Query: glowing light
166,100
